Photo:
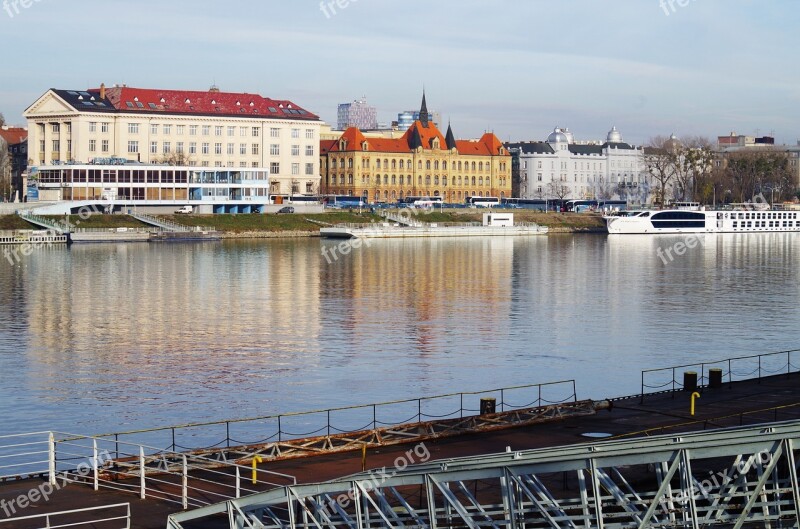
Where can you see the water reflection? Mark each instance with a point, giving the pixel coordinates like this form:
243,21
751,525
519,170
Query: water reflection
99,338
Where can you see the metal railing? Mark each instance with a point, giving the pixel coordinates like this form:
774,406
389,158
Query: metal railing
111,520
42,221
288,426
188,480
666,379
167,225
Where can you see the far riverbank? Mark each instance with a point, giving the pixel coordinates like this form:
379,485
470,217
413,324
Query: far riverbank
302,225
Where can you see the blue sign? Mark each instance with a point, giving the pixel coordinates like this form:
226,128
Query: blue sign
33,194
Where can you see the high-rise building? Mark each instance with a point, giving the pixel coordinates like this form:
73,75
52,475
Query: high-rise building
357,114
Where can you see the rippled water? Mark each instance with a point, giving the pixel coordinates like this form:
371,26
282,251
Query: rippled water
100,338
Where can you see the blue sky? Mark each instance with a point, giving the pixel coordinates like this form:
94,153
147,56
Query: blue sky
515,67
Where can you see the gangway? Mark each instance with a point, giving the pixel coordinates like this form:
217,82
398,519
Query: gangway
740,477
165,225
43,222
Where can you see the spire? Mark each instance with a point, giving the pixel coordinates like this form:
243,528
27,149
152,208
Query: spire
449,139
423,111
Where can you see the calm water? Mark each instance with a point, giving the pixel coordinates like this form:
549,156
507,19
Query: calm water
101,338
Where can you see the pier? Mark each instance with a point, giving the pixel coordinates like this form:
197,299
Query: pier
619,485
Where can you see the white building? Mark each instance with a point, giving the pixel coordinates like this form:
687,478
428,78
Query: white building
560,167
193,128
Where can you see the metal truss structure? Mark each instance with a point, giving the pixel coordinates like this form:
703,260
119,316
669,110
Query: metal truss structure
741,477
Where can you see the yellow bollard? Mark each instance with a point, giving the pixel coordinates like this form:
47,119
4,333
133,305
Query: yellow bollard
695,395
256,460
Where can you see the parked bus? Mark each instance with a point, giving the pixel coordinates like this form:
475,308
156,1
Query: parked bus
421,202
343,201
482,202
303,199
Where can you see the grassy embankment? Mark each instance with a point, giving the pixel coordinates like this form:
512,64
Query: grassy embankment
301,223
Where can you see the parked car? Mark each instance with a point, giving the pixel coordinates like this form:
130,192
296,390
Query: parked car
286,209
184,210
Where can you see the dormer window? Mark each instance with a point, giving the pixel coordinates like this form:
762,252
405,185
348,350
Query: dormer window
238,103
187,101
364,146
343,145
136,99
163,100
213,101
252,104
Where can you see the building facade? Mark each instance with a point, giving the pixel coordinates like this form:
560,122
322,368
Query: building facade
562,168
15,141
357,114
197,129
423,162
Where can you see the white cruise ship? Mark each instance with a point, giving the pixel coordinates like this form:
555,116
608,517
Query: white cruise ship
703,221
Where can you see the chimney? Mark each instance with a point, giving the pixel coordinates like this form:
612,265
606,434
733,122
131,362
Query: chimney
102,90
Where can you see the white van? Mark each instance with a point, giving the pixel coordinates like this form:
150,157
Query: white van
184,210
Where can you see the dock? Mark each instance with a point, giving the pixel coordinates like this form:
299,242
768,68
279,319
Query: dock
771,397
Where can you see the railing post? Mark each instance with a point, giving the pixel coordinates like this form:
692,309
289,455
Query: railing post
374,417
228,433
174,447
279,428
95,464
461,411
759,369
185,483
730,374
502,400
574,391
51,457
419,410
141,473
329,423
673,383
238,486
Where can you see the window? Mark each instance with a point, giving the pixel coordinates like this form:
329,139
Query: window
242,149
230,148
231,131
104,127
255,149
133,146
92,145
179,129
309,150
295,168
153,147
206,130
56,128
295,133
309,169
218,131
192,148
154,129
205,148
192,130
167,147
218,148
309,134
92,126
274,132
133,128
179,147
274,168
243,131
295,150
104,146
256,132
167,129
275,149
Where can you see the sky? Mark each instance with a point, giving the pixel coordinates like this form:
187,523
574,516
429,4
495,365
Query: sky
517,68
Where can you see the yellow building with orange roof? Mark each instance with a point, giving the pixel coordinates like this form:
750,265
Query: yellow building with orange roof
423,162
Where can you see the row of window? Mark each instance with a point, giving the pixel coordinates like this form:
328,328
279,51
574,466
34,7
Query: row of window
365,180
767,215
564,165
455,196
166,129
403,164
763,224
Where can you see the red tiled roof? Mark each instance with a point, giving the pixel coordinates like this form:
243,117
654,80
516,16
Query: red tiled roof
326,146
14,135
489,144
148,100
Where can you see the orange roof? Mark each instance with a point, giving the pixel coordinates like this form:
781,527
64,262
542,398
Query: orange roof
489,144
325,146
13,135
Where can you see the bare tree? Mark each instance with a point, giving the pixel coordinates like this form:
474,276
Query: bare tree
659,162
174,158
751,172
2,120
5,170
558,190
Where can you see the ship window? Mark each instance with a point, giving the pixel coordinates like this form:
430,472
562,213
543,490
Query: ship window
645,214
734,223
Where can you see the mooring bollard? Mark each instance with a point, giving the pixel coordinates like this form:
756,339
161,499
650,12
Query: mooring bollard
690,381
715,378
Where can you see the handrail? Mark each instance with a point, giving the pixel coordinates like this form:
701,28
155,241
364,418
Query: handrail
367,416
88,523
758,364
